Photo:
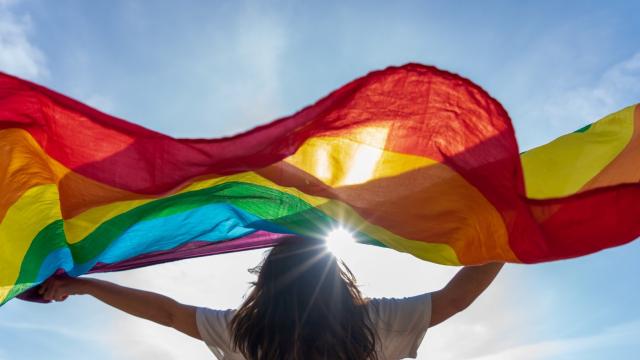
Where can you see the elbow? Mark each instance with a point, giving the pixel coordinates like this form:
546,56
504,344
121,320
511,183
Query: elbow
168,320
163,317
167,316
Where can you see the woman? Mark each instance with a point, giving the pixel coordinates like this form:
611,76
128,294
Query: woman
304,305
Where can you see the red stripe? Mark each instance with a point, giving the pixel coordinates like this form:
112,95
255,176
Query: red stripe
587,222
133,158
91,143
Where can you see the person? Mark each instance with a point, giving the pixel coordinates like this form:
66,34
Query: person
304,305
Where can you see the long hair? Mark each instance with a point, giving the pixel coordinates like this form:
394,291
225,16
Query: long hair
304,305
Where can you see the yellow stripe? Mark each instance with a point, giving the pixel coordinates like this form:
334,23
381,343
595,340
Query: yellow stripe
36,208
351,159
23,165
563,166
343,161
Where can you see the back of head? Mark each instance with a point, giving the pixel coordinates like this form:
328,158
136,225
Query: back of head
304,305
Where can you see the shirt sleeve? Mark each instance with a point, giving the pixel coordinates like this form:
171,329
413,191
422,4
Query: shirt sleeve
401,324
213,328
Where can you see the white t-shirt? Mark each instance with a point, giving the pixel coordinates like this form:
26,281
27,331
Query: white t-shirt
401,325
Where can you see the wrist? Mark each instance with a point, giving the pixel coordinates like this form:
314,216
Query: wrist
84,286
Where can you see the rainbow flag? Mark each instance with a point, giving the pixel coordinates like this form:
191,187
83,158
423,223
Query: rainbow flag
411,158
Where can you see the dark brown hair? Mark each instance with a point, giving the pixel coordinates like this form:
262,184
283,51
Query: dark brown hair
304,305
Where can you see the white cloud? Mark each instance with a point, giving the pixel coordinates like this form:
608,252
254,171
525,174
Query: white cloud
567,109
620,335
18,56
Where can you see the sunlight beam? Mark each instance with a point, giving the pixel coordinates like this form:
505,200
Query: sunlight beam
339,241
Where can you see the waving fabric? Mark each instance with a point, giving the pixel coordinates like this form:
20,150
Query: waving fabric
412,158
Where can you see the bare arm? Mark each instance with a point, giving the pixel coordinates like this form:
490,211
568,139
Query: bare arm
144,304
461,291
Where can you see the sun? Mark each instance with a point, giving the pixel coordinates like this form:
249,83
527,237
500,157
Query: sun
339,240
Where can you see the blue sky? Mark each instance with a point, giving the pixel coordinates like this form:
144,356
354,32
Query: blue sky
208,69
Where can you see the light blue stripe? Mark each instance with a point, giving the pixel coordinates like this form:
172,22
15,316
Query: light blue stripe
214,222
58,259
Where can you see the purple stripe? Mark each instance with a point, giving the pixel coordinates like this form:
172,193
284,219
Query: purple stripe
193,249
257,240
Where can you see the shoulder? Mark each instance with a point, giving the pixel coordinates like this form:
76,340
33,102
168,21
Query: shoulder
401,312
213,315
401,324
213,326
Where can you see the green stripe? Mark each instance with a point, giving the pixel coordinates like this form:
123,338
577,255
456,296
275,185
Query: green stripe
269,204
266,203
272,205
49,239
583,129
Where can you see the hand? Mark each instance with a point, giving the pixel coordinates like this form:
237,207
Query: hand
58,288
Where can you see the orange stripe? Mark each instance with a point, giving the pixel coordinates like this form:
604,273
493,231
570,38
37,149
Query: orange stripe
431,204
412,196
24,165
625,168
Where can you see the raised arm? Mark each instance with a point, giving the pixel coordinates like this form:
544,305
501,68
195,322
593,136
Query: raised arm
144,304
461,291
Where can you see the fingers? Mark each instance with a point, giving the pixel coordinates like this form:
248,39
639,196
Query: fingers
44,287
54,290
59,297
48,291
56,295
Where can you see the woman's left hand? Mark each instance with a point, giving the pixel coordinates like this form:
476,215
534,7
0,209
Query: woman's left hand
58,288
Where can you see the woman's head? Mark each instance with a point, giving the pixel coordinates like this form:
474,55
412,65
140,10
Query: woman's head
304,305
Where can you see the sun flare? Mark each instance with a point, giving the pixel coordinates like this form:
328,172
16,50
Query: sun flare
339,240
